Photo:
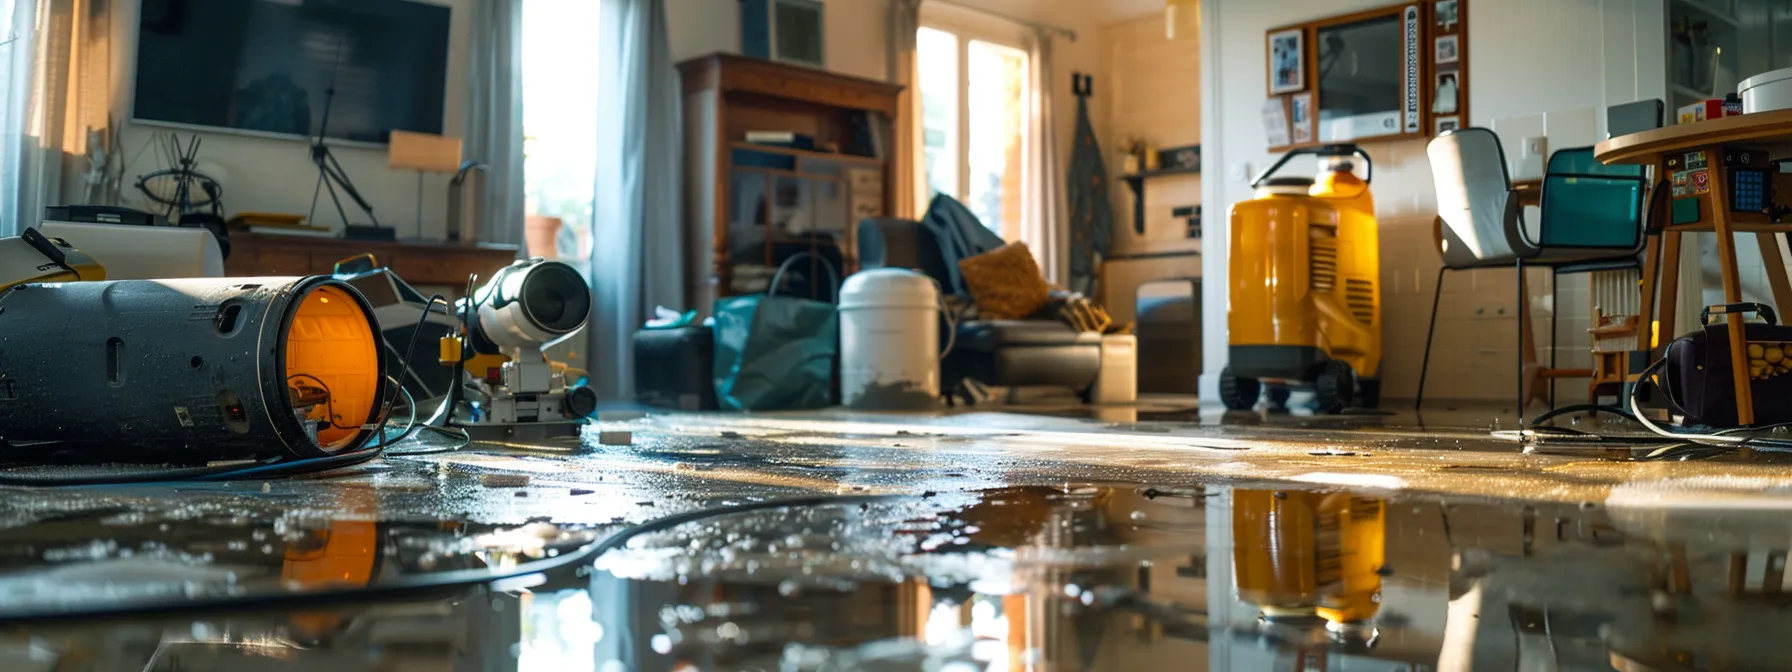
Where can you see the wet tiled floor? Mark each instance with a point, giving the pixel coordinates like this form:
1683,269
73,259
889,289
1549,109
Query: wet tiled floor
1145,538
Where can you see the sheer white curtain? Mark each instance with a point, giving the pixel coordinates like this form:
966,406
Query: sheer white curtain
904,20
494,120
56,62
1043,214
637,258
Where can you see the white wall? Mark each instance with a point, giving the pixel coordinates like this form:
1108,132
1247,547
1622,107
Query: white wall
1538,67
276,175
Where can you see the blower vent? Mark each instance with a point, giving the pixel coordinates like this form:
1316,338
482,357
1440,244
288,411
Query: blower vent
1322,260
1360,296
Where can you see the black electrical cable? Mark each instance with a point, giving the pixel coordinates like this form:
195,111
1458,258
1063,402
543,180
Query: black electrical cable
1580,408
465,440
443,580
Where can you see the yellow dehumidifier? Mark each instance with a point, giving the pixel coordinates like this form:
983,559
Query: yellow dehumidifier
1305,294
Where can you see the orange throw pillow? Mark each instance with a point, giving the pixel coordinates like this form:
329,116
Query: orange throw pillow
1005,282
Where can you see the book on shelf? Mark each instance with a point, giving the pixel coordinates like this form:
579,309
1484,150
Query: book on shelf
787,139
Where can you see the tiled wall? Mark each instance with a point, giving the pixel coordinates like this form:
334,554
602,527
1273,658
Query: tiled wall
1540,68
1150,88
1152,91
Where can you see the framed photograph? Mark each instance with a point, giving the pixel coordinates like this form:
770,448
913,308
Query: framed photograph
1300,118
1446,49
1445,97
1446,14
1449,123
1287,62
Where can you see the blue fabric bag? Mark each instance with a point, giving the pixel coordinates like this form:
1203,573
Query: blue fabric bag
776,352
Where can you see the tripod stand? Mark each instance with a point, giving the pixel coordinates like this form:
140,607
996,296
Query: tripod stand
329,172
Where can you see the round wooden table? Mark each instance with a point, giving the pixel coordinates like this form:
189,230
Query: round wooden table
1697,162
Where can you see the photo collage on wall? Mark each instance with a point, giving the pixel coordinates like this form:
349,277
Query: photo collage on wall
1449,61
1431,96
1289,110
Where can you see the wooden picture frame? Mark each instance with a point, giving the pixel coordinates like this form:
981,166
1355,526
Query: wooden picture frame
1287,60
1448,79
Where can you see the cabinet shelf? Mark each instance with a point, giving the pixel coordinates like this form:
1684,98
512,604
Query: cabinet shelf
808,154
1137,182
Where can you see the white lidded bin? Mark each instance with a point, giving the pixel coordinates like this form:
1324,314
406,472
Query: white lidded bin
1771,90
889,340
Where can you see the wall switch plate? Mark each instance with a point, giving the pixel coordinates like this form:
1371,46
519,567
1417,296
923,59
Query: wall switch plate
1240,172
1536,146
1532,155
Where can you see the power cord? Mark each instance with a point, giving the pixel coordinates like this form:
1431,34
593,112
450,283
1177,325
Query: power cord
1670,445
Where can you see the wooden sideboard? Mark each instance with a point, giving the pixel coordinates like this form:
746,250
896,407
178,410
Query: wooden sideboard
434,265
759,204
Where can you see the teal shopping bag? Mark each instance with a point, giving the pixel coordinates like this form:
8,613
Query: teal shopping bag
776,352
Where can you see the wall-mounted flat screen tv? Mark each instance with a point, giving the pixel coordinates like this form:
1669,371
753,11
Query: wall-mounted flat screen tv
265,66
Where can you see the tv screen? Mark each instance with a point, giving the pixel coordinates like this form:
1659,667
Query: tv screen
1360,91
266,65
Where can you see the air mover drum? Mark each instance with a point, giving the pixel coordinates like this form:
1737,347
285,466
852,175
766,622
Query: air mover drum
189,370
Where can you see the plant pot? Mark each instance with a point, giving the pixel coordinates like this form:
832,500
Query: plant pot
541,232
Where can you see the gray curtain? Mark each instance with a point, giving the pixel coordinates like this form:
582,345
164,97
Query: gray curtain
1044,227
57,69
638,251
494,120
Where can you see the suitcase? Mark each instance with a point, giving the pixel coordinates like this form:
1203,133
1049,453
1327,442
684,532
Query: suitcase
672,368
1698,369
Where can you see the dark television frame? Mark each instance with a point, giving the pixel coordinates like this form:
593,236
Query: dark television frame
134,30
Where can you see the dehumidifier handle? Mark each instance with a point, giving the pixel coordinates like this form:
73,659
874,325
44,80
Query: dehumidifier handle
951,324
1345,149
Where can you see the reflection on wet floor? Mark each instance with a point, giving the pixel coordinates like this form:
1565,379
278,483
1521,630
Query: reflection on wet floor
1095,576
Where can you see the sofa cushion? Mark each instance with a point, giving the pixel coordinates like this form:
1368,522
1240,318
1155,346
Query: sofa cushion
1005,283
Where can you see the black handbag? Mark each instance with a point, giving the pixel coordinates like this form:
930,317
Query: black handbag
1699,380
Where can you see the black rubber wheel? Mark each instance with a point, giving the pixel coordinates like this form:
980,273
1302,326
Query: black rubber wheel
1368,392
1278,399
1334,389
1238,394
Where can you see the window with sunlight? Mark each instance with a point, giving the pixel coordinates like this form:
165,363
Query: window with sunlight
973,123
560,125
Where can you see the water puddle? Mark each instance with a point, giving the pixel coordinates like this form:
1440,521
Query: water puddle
1671,575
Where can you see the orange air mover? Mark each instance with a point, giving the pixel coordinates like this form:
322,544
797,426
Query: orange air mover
190,370
1305,287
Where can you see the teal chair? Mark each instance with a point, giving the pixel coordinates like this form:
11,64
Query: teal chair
1592,219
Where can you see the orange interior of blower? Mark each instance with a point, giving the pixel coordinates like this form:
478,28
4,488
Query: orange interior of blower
333,340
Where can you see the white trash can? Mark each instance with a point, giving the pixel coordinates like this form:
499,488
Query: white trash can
889,340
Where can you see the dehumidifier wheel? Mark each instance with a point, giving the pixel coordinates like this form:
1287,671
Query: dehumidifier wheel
1278,399
1238,394
1335,387
1368,392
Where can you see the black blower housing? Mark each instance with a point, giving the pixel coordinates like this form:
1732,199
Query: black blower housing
180,370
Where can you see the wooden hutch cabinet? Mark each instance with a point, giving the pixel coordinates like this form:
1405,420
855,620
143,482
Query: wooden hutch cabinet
779,160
